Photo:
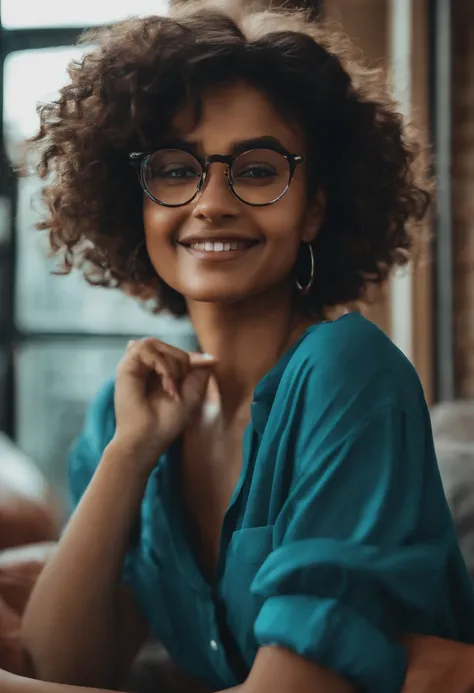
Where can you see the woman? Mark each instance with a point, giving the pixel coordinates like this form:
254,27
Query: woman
269,508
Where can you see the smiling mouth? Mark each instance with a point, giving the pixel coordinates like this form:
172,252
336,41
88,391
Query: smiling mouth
222,246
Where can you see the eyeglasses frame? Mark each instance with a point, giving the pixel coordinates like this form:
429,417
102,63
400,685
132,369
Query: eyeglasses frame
139,160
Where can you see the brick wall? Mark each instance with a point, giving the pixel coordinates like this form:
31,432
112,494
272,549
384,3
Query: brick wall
366,22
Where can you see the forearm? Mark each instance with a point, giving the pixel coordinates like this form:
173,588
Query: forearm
9,683
279,670
71,622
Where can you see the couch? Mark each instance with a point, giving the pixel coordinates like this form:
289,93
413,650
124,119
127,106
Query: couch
453,428
29,528
30,522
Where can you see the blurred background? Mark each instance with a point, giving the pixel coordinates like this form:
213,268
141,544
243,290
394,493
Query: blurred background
60,338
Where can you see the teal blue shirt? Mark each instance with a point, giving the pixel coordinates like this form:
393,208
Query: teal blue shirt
337,539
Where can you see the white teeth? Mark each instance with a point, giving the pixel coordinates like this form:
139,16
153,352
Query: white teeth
218,246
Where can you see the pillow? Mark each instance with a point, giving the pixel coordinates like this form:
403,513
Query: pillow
19,570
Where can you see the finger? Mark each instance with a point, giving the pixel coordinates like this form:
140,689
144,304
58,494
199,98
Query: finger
145,360
178,364
195,387
198,360
174,367
176,356
177,367
167,379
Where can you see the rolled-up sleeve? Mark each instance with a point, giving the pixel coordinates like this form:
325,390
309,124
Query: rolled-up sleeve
349,573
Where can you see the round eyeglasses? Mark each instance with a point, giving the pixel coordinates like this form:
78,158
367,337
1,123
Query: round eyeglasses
173,177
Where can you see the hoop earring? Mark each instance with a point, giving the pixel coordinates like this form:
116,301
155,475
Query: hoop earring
304,289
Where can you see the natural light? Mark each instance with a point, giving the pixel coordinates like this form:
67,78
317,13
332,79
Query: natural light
56,13
41,73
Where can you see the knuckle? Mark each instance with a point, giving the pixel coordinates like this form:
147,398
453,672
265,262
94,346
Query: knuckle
146,346
181,359
151,342
122,367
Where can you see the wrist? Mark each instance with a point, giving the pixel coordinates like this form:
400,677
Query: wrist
136,458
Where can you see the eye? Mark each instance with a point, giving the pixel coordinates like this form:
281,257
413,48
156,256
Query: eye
256,171
175,172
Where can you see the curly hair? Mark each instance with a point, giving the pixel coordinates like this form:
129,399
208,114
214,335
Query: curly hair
122,97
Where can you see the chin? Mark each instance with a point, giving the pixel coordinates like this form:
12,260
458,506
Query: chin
219,298
224,295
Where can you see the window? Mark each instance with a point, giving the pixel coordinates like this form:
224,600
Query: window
45,302
20,14
63,338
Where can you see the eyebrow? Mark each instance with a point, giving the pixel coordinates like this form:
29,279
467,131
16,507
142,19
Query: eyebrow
236,148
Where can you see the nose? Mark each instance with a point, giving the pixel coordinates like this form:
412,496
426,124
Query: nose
216,201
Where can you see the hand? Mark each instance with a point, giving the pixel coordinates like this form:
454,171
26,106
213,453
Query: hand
157,390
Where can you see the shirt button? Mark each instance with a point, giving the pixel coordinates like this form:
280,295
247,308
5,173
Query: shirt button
213,645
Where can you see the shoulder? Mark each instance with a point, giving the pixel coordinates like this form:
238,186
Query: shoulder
350,397
351,341
351,364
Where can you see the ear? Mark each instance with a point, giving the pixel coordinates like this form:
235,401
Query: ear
314,217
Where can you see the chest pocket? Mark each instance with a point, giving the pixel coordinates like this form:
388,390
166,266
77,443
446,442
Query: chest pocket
246,553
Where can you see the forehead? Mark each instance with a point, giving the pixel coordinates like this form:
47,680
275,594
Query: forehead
233,113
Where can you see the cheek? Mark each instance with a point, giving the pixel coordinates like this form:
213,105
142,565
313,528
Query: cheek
284,221
161,226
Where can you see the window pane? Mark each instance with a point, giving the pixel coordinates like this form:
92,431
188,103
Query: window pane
56,13
30,77
49,303
45,302
4,395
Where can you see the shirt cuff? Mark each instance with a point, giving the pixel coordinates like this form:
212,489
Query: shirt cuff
330,634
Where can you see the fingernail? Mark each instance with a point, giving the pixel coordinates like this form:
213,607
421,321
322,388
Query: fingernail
208,357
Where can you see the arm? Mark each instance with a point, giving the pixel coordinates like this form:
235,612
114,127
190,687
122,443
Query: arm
348,572
437,666
10,683
78,600
277,670
80,625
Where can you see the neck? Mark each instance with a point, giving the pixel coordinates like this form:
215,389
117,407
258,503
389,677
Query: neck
247,339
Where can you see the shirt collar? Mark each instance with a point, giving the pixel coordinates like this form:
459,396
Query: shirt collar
266,389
